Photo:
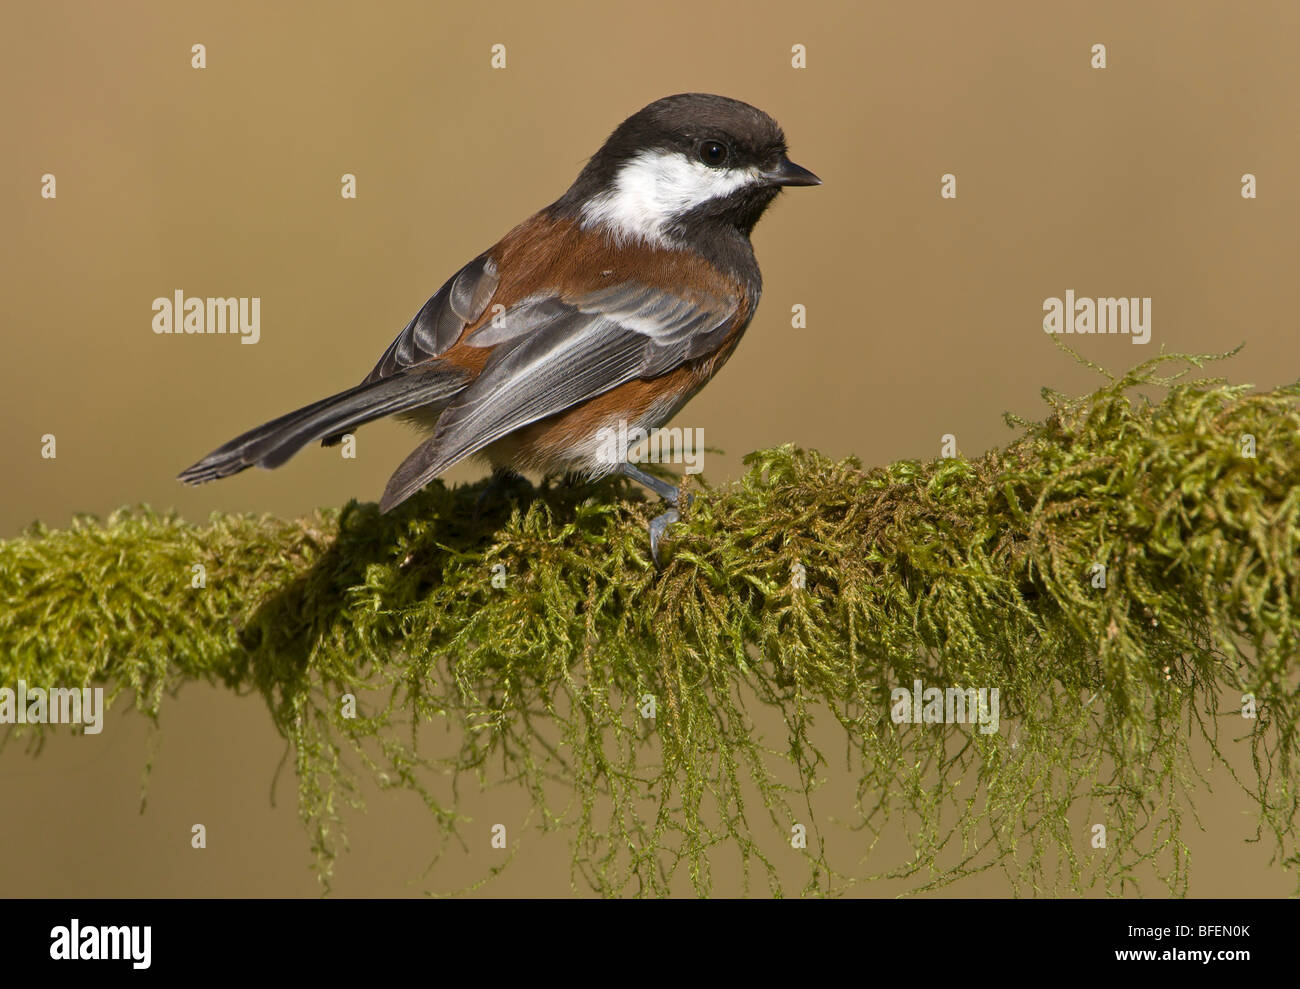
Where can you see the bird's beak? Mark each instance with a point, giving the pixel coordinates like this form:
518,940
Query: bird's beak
788,173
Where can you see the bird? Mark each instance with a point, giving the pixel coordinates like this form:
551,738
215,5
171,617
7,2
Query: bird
615,304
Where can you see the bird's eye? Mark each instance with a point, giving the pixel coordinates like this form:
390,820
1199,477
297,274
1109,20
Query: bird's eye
713,153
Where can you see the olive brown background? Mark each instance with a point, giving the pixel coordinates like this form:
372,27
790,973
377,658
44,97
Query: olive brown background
923,314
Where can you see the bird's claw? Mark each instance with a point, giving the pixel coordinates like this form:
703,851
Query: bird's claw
657,527
497,489
661,522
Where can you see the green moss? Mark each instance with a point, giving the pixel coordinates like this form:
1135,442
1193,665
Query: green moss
955,572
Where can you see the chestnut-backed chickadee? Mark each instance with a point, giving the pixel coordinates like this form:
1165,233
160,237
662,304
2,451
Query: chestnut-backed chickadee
613,305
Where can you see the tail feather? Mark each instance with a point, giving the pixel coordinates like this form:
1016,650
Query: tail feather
272,443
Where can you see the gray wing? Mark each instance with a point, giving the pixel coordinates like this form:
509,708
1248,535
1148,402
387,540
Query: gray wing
442,319
552,354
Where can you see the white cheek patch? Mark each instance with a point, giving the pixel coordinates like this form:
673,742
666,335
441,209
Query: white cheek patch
655,188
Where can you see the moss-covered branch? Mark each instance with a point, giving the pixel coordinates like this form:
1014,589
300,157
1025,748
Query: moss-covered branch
972,573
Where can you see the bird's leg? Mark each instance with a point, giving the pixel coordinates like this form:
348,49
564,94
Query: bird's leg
502,477
665,491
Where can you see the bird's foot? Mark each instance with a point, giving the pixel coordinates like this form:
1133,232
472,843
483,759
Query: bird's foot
669,494
498,489
661,522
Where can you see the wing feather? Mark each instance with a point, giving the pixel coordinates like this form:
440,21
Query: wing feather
553,354
442,319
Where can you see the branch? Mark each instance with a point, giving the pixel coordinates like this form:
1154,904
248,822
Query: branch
807,588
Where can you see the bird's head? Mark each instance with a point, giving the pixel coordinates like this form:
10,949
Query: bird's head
685,164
